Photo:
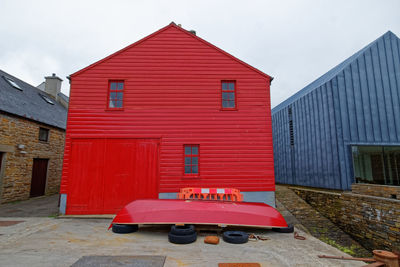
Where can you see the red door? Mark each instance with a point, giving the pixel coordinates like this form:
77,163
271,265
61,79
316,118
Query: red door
39,175
106,174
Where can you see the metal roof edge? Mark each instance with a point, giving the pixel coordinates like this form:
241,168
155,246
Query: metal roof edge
332,73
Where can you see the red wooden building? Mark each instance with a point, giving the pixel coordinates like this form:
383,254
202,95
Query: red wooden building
167,112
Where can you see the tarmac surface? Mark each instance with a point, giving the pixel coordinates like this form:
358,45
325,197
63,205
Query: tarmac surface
48,241
35,207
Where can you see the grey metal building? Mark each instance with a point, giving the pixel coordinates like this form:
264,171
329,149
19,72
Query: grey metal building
344,127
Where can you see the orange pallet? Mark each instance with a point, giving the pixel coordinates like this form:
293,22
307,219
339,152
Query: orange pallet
224,194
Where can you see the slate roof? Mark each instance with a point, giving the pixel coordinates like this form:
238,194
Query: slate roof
28,103
329,75
64,97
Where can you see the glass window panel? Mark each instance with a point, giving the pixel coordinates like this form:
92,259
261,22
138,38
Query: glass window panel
225,96
231,96
231,104
225,104
224,86
231,86
113,86
118,104
195,169
187,161
113,95
195,150
187,169
111,104
195,160
187,150
43,134
120,86
119,96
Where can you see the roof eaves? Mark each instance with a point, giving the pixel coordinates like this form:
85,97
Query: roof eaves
224,52
121,50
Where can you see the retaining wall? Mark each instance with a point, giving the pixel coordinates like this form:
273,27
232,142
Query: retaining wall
373,221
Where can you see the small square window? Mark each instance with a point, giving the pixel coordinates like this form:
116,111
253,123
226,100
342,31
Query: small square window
116,94
43,134
191,159
228,94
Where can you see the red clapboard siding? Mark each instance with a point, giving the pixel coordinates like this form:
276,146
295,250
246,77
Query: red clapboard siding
173,93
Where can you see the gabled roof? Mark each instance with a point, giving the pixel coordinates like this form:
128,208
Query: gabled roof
172,25
330,74
30,103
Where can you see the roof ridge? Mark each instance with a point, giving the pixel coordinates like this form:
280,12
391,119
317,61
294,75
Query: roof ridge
329,74
172,25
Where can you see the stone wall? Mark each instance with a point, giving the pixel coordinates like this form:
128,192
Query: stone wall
372,221
386,191
16,173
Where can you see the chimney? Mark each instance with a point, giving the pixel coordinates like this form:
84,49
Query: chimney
53,85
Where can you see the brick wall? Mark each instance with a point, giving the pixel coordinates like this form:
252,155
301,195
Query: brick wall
16,173
372,221
387,191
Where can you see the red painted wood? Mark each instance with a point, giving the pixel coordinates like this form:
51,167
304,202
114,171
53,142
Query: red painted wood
172,92
110,173
171,211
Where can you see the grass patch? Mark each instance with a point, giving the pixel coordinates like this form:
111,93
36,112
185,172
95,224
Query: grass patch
349,250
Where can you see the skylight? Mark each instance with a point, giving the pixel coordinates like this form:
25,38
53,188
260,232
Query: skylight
12,83
47,99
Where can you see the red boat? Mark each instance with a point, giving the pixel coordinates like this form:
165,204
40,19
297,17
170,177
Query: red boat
175,211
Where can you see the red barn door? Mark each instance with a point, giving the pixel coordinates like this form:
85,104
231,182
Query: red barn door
106,174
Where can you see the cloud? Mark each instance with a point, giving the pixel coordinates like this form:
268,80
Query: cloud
294,41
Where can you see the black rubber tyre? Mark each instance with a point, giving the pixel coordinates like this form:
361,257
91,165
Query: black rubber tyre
289,229
182,239
124,228
235,237
182,230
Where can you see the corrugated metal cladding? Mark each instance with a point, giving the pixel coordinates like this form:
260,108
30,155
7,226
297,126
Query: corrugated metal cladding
173,93
357,102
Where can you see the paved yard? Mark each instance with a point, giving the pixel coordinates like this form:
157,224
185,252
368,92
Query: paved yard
35,207
61,242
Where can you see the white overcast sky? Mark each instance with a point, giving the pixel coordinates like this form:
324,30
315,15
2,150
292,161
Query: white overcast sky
293,41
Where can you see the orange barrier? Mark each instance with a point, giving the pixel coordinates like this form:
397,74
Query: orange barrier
226,194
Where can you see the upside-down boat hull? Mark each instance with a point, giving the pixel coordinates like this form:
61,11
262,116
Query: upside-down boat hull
174,211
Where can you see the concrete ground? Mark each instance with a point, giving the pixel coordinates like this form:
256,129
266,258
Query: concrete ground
61,242
35,207
48,241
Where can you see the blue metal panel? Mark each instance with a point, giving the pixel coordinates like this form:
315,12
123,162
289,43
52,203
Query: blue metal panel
357,102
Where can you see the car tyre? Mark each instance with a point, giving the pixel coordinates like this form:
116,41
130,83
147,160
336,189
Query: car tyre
182,239
187,229
124,228
235,237
289,229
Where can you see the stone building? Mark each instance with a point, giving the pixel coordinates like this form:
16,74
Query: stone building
32,132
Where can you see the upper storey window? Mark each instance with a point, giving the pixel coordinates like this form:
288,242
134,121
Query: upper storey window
116,94
228,94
